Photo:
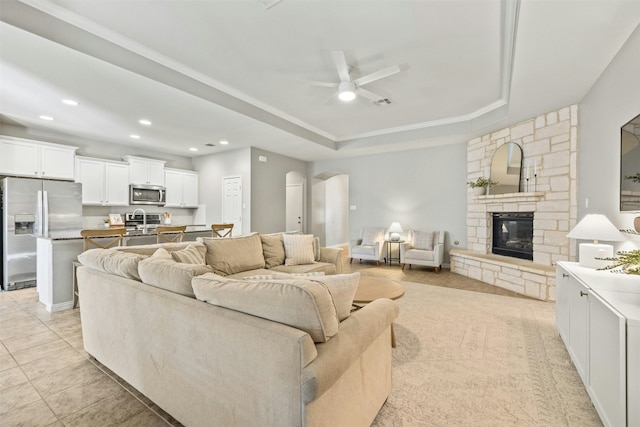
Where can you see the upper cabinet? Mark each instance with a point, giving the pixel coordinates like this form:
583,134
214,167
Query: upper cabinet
104,182
21,157
182,188
145,171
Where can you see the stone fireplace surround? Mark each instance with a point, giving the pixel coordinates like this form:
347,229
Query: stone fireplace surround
550,142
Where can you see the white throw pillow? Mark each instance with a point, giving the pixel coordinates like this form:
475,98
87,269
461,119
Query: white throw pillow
189,255
343,289
423,240
298,249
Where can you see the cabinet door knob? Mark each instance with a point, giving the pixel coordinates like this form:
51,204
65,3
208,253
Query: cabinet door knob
565,275
584,294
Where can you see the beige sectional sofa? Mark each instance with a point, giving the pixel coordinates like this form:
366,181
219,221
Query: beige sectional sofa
255,347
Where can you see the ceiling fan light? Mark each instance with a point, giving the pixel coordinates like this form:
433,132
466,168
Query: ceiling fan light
347,91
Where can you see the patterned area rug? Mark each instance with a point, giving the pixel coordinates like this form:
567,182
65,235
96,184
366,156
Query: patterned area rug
472,359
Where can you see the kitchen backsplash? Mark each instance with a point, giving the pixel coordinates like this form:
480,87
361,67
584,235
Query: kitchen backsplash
94,216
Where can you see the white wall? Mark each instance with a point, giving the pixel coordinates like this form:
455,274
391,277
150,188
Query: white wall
423,189
337,210
612,101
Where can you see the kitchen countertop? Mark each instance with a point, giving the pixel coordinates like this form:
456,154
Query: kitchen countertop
75,234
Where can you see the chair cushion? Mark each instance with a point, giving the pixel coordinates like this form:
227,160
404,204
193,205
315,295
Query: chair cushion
423,240
303,304
363,250
419,255
371,235
298,249
272,249
230,255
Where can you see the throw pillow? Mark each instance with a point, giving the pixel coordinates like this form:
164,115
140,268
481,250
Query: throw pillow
343,289
284,275
161,253
299,303
189,255
112,261
423,240
298,249
231,255
370,236
167,274
272,249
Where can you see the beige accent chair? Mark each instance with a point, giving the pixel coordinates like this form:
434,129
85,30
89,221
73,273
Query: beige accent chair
371,246
423,248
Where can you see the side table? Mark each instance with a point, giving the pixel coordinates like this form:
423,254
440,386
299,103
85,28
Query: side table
389,251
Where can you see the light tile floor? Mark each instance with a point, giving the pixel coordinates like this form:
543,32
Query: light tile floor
47,379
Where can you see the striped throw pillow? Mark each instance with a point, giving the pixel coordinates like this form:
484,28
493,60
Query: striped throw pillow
189,255
298,249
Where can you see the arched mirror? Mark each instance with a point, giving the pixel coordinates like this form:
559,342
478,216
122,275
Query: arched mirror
506,165
630,165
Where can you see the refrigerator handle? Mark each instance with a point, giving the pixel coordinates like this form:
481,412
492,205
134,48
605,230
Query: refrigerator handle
45,213
39,214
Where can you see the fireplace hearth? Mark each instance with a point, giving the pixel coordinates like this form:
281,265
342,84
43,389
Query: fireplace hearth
513,234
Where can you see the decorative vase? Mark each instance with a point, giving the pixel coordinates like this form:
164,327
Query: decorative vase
167,221
479,191
107,225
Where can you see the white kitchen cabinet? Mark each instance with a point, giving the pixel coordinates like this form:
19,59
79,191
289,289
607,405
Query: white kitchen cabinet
182,188
603,340
21,157
104,183
145,171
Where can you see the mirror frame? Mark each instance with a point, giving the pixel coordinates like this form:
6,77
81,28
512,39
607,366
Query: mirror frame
502,187
630,166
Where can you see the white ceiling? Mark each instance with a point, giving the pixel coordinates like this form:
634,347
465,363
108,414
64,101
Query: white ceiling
203,71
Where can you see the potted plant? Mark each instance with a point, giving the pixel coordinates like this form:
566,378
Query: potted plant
107,223
627,262
481,185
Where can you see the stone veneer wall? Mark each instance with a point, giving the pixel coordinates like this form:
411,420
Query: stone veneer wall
550,142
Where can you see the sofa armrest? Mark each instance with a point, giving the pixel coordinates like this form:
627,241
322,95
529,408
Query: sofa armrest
356,333
438,253
332,255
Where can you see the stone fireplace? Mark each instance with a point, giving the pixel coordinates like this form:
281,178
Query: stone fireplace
550,143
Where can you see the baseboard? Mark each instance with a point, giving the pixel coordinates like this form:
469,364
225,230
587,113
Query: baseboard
52,308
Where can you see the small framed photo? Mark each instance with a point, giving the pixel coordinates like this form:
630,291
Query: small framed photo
115,219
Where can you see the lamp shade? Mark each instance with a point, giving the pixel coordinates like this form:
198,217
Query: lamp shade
596,227
394,231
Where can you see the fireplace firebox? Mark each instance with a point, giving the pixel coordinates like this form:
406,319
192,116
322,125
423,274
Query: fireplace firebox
513,234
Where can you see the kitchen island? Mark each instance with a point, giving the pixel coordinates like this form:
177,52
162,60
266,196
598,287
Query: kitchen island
57,252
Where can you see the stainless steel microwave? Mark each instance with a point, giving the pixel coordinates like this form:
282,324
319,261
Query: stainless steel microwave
142,194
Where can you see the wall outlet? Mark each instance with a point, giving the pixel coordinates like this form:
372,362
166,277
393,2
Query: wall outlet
352,207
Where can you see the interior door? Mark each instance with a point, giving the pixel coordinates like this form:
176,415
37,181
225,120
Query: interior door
232,202
294,211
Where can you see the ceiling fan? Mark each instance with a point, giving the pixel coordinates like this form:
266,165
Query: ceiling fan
348,88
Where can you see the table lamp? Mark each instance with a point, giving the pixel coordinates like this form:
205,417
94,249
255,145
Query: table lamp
595,227
394,231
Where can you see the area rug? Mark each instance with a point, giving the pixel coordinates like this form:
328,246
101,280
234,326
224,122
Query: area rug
466,358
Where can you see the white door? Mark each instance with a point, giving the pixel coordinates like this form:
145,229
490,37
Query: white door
232,202
294,202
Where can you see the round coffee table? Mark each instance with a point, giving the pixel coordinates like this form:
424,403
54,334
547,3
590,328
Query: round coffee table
371,288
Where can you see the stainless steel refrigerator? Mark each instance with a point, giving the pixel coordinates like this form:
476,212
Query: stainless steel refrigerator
32,208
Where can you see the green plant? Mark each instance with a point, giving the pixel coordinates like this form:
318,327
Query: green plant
627,262
482,182
634,178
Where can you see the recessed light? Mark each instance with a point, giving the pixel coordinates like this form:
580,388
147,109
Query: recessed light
134,136
70,102
223,142
144,122
46,118
193,149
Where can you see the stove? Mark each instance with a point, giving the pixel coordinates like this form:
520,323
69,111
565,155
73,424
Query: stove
136,222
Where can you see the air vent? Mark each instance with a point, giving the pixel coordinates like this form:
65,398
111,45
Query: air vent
209,145
269,3
382,101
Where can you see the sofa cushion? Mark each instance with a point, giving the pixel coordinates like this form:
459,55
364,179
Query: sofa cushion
303,304
343,289
272,249
230,255
167,274
363,250
188,255
149,250
278,275
326,267
423,240
112,261
298,249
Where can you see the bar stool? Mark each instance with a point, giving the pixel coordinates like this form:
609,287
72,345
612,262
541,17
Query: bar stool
218,230
170,233
103,239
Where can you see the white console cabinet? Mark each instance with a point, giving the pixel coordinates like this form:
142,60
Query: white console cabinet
598,318
22,157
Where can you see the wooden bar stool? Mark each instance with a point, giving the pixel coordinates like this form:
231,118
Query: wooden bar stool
219,230
170,233
100,239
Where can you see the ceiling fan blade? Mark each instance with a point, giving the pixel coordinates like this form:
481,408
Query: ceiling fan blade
322,84
341,65
385,72
368,94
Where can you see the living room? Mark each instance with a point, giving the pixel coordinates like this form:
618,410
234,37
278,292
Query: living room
424,187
